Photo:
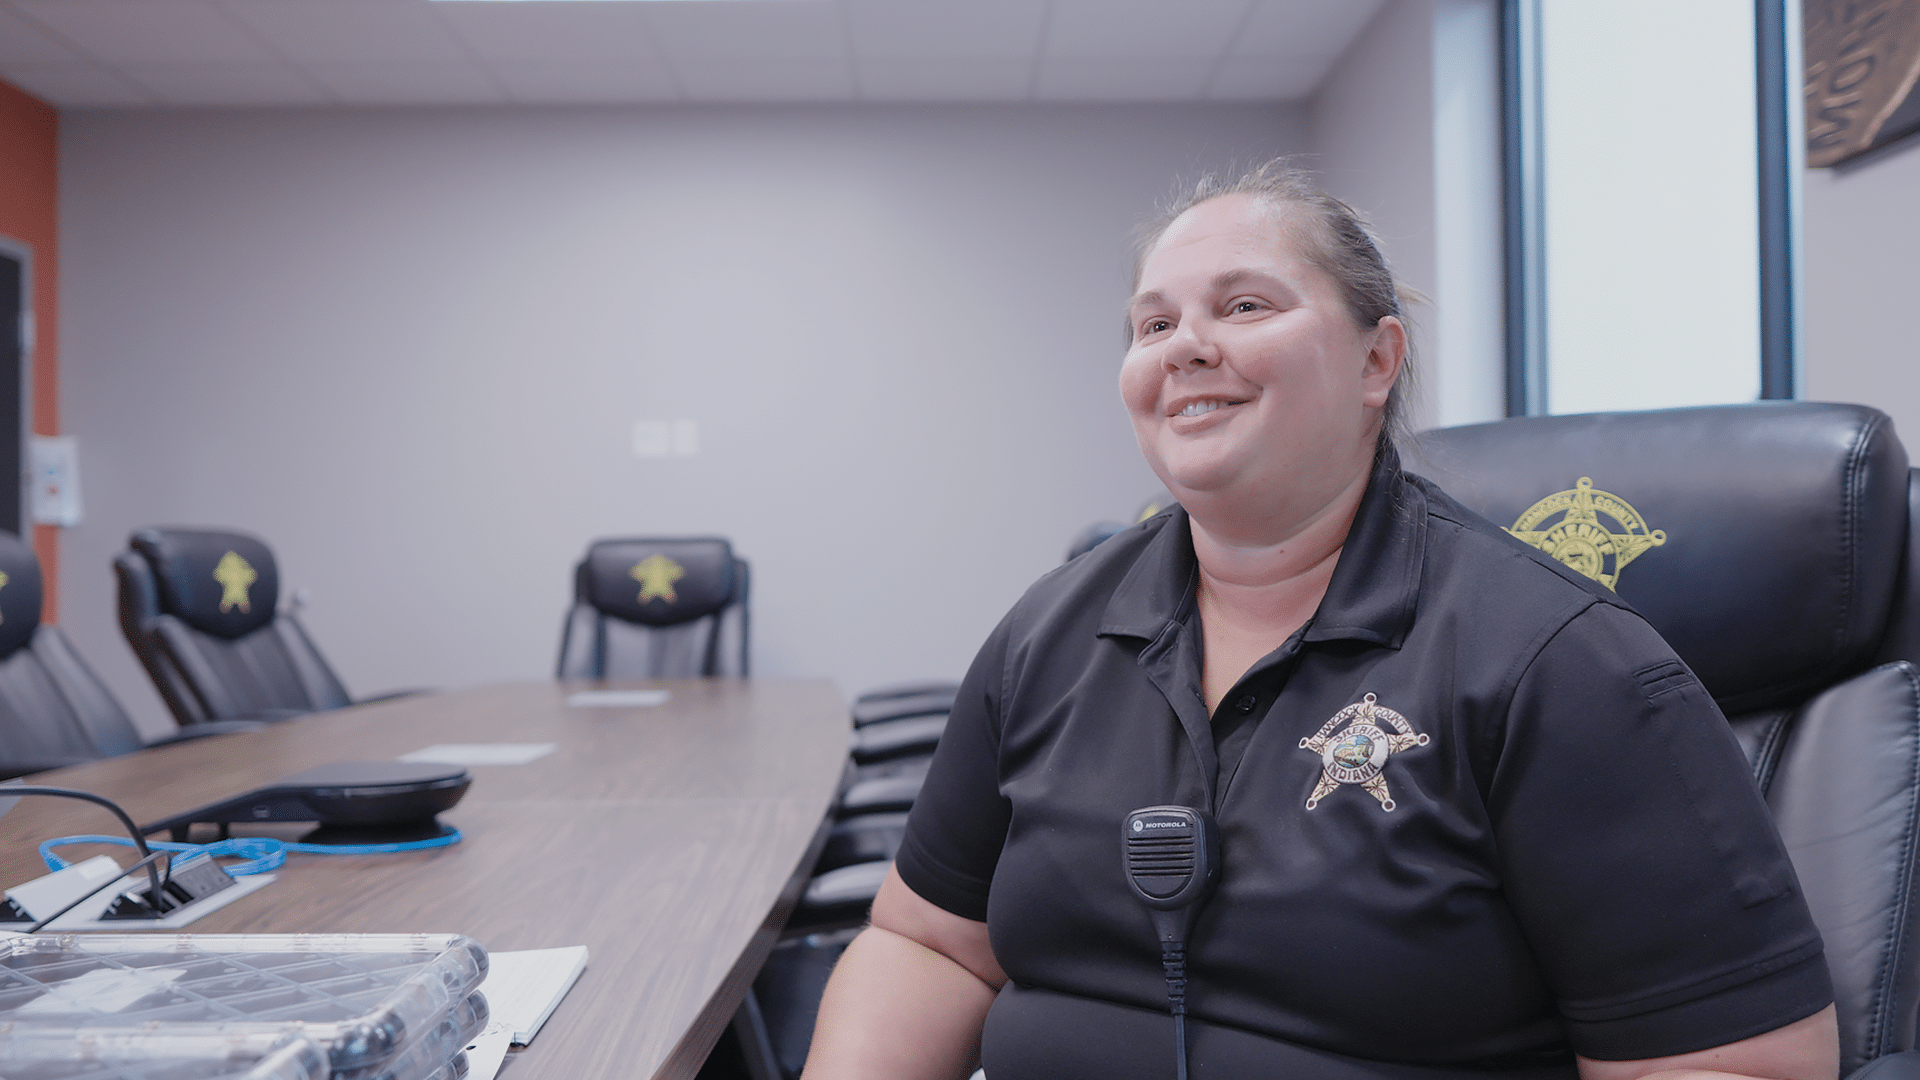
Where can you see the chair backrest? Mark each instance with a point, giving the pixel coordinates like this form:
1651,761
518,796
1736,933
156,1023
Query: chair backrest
1772,546
53,709
657,608
200,609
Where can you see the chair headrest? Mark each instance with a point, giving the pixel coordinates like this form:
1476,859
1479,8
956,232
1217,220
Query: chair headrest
220,583
19,593
658,582
1763,541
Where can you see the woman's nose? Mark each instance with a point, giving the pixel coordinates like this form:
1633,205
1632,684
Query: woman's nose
1190,346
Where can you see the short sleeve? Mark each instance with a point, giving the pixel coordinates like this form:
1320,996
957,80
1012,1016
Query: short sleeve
959,820
1638,856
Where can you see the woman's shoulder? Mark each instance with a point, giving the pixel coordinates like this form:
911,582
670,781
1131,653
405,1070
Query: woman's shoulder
1513,598
1463,542
1151,561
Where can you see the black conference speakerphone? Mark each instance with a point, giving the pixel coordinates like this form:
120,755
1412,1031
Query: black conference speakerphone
354,802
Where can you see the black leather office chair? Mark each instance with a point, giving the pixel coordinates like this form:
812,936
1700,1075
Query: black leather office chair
655,608
53,710
1775,546
201,610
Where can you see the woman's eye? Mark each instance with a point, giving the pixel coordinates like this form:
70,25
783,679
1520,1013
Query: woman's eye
1155,326
1241,307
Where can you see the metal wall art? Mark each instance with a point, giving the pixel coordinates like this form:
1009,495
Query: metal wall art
1863,58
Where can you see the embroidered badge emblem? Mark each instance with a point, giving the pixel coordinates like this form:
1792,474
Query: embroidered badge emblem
235,577
1358,754
1579,540
656,575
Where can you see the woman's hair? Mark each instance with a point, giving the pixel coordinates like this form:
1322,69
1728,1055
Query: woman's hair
1334,237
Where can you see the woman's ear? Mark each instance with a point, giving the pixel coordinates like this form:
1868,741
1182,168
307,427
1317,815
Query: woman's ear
1386,354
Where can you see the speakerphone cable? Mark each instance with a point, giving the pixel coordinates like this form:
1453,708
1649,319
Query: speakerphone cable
258,854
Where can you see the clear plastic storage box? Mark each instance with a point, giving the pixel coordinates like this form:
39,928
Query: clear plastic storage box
28,1053
360,997
421,1058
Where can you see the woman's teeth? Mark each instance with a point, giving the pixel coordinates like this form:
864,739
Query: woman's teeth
1201,408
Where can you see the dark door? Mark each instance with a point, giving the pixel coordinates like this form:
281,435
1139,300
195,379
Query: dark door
12,436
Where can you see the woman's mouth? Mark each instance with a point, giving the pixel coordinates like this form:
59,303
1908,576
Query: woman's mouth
1201,408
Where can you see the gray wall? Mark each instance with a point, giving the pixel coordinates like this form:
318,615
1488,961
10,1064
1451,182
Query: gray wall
1862,234
407,349
1407,128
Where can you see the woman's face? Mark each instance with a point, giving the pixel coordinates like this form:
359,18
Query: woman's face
1247,376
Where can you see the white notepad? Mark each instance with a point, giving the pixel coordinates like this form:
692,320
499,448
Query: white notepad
617,699
474,753
523,987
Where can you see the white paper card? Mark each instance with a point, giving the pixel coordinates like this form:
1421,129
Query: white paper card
54,461
485,1053
523,987
481,753
103,990
618,699
43,896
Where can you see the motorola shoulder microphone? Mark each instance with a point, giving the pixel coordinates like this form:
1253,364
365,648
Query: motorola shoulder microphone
1172,859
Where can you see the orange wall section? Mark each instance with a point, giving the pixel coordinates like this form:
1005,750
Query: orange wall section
29,212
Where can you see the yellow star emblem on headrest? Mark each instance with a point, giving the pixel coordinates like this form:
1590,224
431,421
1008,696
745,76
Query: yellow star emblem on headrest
1579,539
235,577
656,575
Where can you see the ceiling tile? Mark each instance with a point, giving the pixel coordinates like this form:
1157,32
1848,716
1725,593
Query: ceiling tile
149,31
590,83
23,42
350,31
214,84
550,32
1113,28
766,80
792,30
1008,29
407,84
943,79
75,86
1265,78
1163,78
1304,27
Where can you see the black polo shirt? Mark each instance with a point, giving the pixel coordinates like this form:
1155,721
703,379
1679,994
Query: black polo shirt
1475,815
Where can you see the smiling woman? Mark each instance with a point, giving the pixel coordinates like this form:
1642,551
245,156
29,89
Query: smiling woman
1437,766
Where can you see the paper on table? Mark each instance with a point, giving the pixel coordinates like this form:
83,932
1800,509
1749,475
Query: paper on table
523,987
479,753
485,1053
617,699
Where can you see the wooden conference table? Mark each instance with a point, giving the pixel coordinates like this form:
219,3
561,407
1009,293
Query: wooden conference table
667,839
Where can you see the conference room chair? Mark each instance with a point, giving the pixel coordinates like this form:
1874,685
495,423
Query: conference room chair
657,607
54,711
1101,531
201,609
1776,547
677,608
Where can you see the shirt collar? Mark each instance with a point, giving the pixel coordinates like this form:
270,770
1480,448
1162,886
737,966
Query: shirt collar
1372,596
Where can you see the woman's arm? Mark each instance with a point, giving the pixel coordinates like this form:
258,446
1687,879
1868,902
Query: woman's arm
1806,1049
908,997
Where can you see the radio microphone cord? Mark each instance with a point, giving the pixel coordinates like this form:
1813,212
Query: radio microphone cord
1172,859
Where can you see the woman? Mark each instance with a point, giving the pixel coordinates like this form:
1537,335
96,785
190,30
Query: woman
1475,818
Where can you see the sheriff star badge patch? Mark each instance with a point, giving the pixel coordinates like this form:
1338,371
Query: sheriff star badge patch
1358,753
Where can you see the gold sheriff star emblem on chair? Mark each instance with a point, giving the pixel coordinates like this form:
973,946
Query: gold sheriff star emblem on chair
656,575
1580,540
235,576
